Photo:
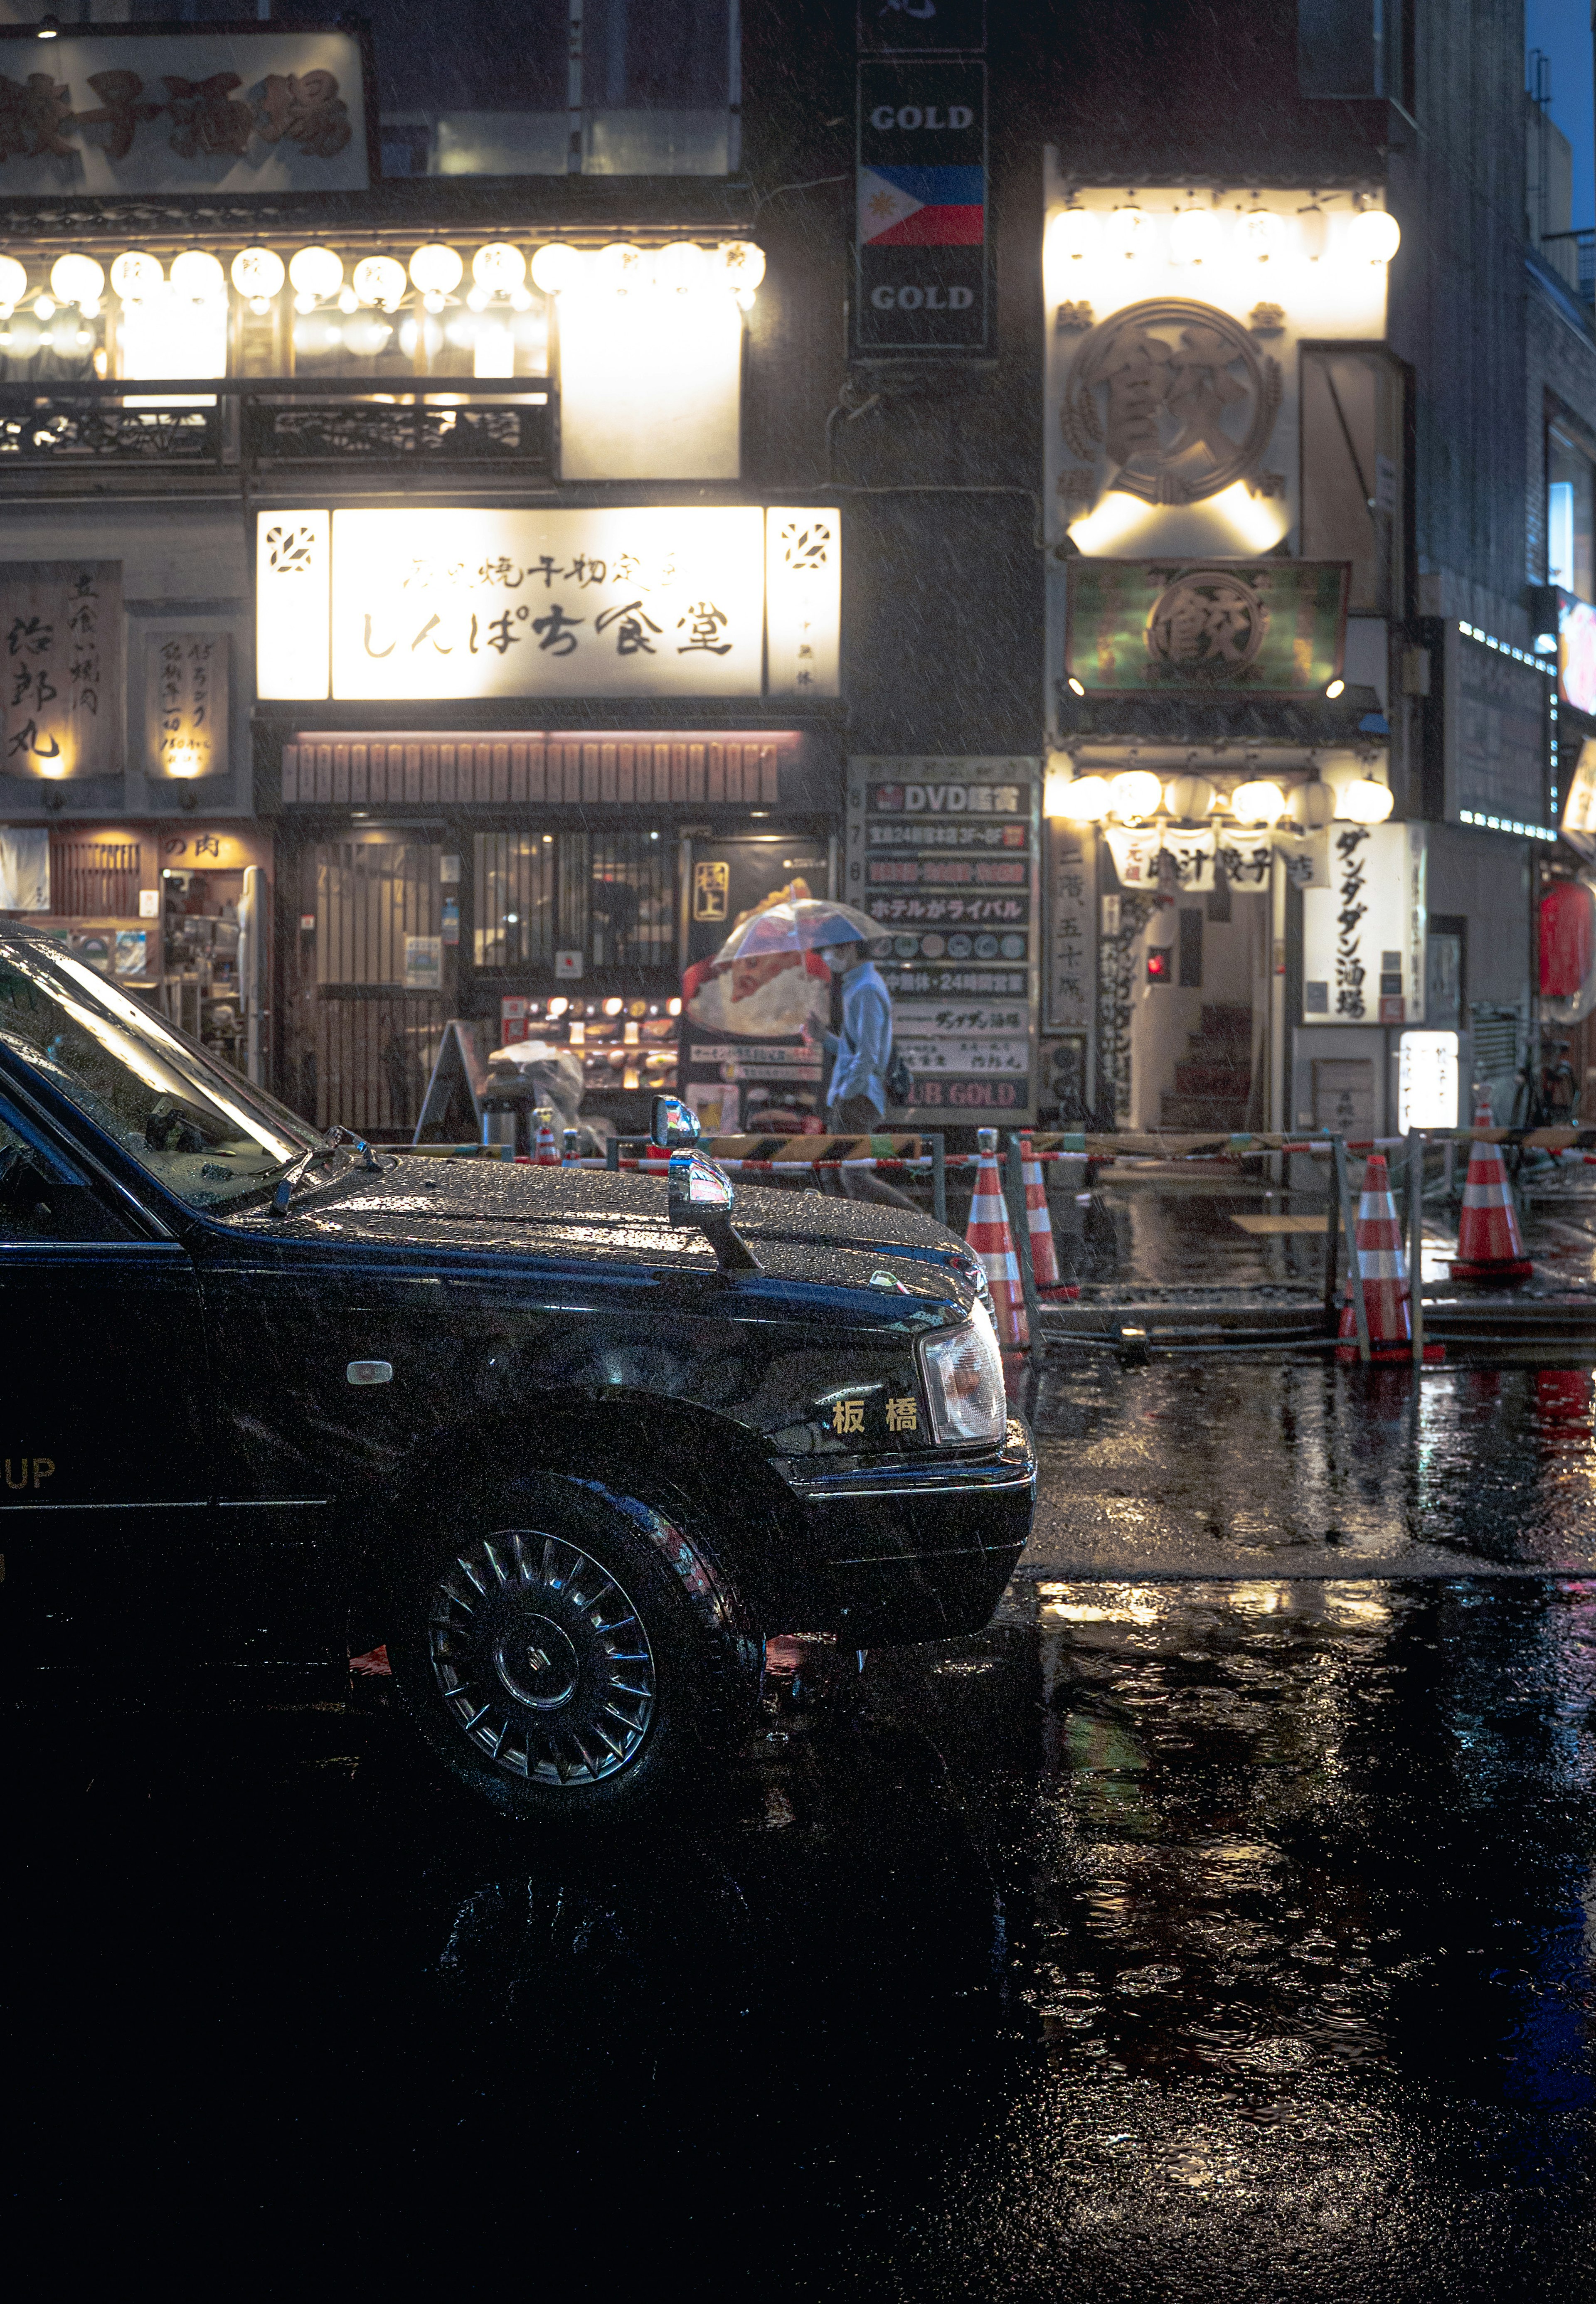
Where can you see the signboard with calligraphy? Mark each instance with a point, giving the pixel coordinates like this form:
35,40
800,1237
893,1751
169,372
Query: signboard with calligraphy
1364,935
922,282
943,854
131,110
1273,625
186,689
1070,978
641,601
63,700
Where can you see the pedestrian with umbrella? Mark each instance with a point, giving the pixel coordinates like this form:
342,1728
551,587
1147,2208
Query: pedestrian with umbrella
861,1052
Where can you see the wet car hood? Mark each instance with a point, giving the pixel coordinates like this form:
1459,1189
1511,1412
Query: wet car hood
497,1208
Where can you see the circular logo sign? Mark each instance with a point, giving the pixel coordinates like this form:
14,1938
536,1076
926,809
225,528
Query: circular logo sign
1208,624
1172,399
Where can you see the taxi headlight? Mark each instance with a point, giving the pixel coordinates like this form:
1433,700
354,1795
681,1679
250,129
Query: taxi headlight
963,1381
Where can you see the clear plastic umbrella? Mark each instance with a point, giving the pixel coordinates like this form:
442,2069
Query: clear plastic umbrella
802,924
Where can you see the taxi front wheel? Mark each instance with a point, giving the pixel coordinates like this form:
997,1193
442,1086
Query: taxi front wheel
566,1651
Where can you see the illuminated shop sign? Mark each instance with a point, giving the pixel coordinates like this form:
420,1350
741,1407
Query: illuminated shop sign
61,712
921,191
1364,935
630,602
1276,625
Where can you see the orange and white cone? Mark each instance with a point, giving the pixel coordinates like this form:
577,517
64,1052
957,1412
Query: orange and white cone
993,1242
547,1152
1382,1275
1044,1257
1489,1244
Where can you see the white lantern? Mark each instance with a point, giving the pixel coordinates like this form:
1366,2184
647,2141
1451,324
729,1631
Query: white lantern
134,275
1364,801
1311,806
366,335
379,280
1127,229
1195,235
1190,797
1075,234
26,336
76,279
681,266
1135,794
1262,235
317,272
744,263
198,275
14,281
557,267
498,268
258,272
1258,801
1085,800
435,269
624,265
1374,236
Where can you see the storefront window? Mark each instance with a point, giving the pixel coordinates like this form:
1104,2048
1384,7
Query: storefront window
1352,420
607,897
1569,559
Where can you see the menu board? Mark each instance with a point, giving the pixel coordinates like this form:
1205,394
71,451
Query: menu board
942,853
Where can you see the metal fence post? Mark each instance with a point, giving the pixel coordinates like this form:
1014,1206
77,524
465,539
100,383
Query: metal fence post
939,1144
1332,1231
1354,1270
611,1153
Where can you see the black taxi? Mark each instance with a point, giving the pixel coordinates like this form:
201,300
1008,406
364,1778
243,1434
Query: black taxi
567,1444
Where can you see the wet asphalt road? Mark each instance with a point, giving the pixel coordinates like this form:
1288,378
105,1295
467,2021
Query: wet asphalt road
1224,1936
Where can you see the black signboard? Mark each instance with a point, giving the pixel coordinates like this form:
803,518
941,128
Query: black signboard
920,27
921,275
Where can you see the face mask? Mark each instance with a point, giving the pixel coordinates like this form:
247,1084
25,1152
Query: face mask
836,958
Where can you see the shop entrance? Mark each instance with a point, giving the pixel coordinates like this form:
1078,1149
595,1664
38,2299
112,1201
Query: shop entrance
368,978
1202,1016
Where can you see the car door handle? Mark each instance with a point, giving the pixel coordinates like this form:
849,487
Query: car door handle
370,1372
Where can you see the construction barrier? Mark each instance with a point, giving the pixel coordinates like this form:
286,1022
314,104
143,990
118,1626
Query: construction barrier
989,1237
1489,1244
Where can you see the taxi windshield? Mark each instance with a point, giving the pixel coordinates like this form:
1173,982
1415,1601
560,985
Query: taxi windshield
205,1133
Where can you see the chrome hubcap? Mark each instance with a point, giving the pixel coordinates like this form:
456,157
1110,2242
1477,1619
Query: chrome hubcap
541,1658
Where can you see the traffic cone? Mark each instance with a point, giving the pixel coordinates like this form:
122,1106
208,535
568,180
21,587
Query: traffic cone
989,1236
570,1157
1489,1244
1382,1274
1044,1259
547,1154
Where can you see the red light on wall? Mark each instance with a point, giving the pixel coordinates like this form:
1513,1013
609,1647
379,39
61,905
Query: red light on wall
1159,968
1568,938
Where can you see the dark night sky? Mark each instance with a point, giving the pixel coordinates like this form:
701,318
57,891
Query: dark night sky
1562,28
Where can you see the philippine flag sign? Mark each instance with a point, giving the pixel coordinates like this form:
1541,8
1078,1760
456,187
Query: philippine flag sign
921,207
922,246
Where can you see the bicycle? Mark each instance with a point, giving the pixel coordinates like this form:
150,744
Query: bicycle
1545,1095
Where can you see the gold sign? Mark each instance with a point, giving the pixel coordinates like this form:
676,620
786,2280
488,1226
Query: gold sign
186,691
711,886
62,626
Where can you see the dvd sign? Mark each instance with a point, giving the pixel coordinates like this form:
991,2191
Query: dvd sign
922,246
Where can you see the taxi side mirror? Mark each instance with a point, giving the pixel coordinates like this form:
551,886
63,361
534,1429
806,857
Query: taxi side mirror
674,1124
700,1194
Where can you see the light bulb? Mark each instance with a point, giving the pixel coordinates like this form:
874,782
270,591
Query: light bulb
1084,800
44,307
435,300
1312,805
1075,234
1126,227
76,279
520,300
1374,236
348,302
624,265
557,267
315,271
436,269
14,281
1135,794
379,280
258,272
134,275
479,298
1336,688
304,301
1258,801
1262,235
1189,797
197,274
742,261
1364,801
498,268
260,306
1195,235
681,266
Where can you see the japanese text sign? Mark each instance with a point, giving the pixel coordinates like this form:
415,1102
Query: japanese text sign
186,703
1363,936
649,601
61,621
1276,625
108,111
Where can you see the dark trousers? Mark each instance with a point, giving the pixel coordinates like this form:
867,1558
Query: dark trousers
856,1115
